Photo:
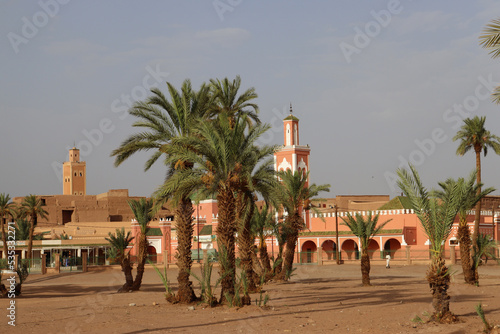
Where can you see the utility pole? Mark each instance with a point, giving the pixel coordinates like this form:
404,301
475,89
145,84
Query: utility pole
198,229
337,255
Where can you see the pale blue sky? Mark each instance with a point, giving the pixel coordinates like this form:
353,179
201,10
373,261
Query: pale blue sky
374,83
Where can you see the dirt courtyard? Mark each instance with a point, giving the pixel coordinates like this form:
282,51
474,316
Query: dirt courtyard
318,299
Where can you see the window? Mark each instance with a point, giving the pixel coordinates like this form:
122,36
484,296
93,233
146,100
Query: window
75,173
81,174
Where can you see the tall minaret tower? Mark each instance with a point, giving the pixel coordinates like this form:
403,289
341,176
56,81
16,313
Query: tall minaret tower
74,174
292,155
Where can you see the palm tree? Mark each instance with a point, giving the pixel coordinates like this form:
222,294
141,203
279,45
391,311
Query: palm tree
437,217
32,207
485,247
164,120
119,243
281,231
490,39
142,210
294,198
364,229
23,230
261,180
470,197
227,101
219,154
473,135
261,223
6,209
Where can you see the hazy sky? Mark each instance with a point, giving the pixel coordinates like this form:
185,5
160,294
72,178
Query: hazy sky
375,84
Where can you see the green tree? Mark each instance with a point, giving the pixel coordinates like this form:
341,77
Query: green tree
468,188
485,247
227,101
262,222
473,135
490,40
32,207
119,242
436,217
364,229
295,197
219,154
23,230
261,181
162,119
142,210
6,209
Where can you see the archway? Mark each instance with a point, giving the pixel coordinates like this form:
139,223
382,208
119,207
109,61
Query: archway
350,249
152,255
391,246
309,250
373,248
328,248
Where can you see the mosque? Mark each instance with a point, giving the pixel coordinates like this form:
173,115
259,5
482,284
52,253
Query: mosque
79,222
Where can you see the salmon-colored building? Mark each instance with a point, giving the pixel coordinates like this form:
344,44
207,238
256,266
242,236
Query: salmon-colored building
86,220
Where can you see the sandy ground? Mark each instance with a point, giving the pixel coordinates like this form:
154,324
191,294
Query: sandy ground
322,299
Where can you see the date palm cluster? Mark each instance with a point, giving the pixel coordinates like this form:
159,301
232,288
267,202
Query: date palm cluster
208,141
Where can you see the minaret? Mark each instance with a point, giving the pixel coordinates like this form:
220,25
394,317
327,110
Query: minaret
292,155
74,174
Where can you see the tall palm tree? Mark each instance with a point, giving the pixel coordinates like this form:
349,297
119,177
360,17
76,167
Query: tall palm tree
163,119
490,39
437,217
261,181
6,209
473,135
143,213
32,207
219,154
294,198
364,229
227,100
469,199
119,242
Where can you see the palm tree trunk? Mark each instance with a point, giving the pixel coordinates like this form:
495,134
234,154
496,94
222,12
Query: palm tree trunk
291,240
141,262
183,214
478,205
226,230
439,282
258,270
4,238
465,246
32,231
127,270
264,257
245,247
279,267
365,267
